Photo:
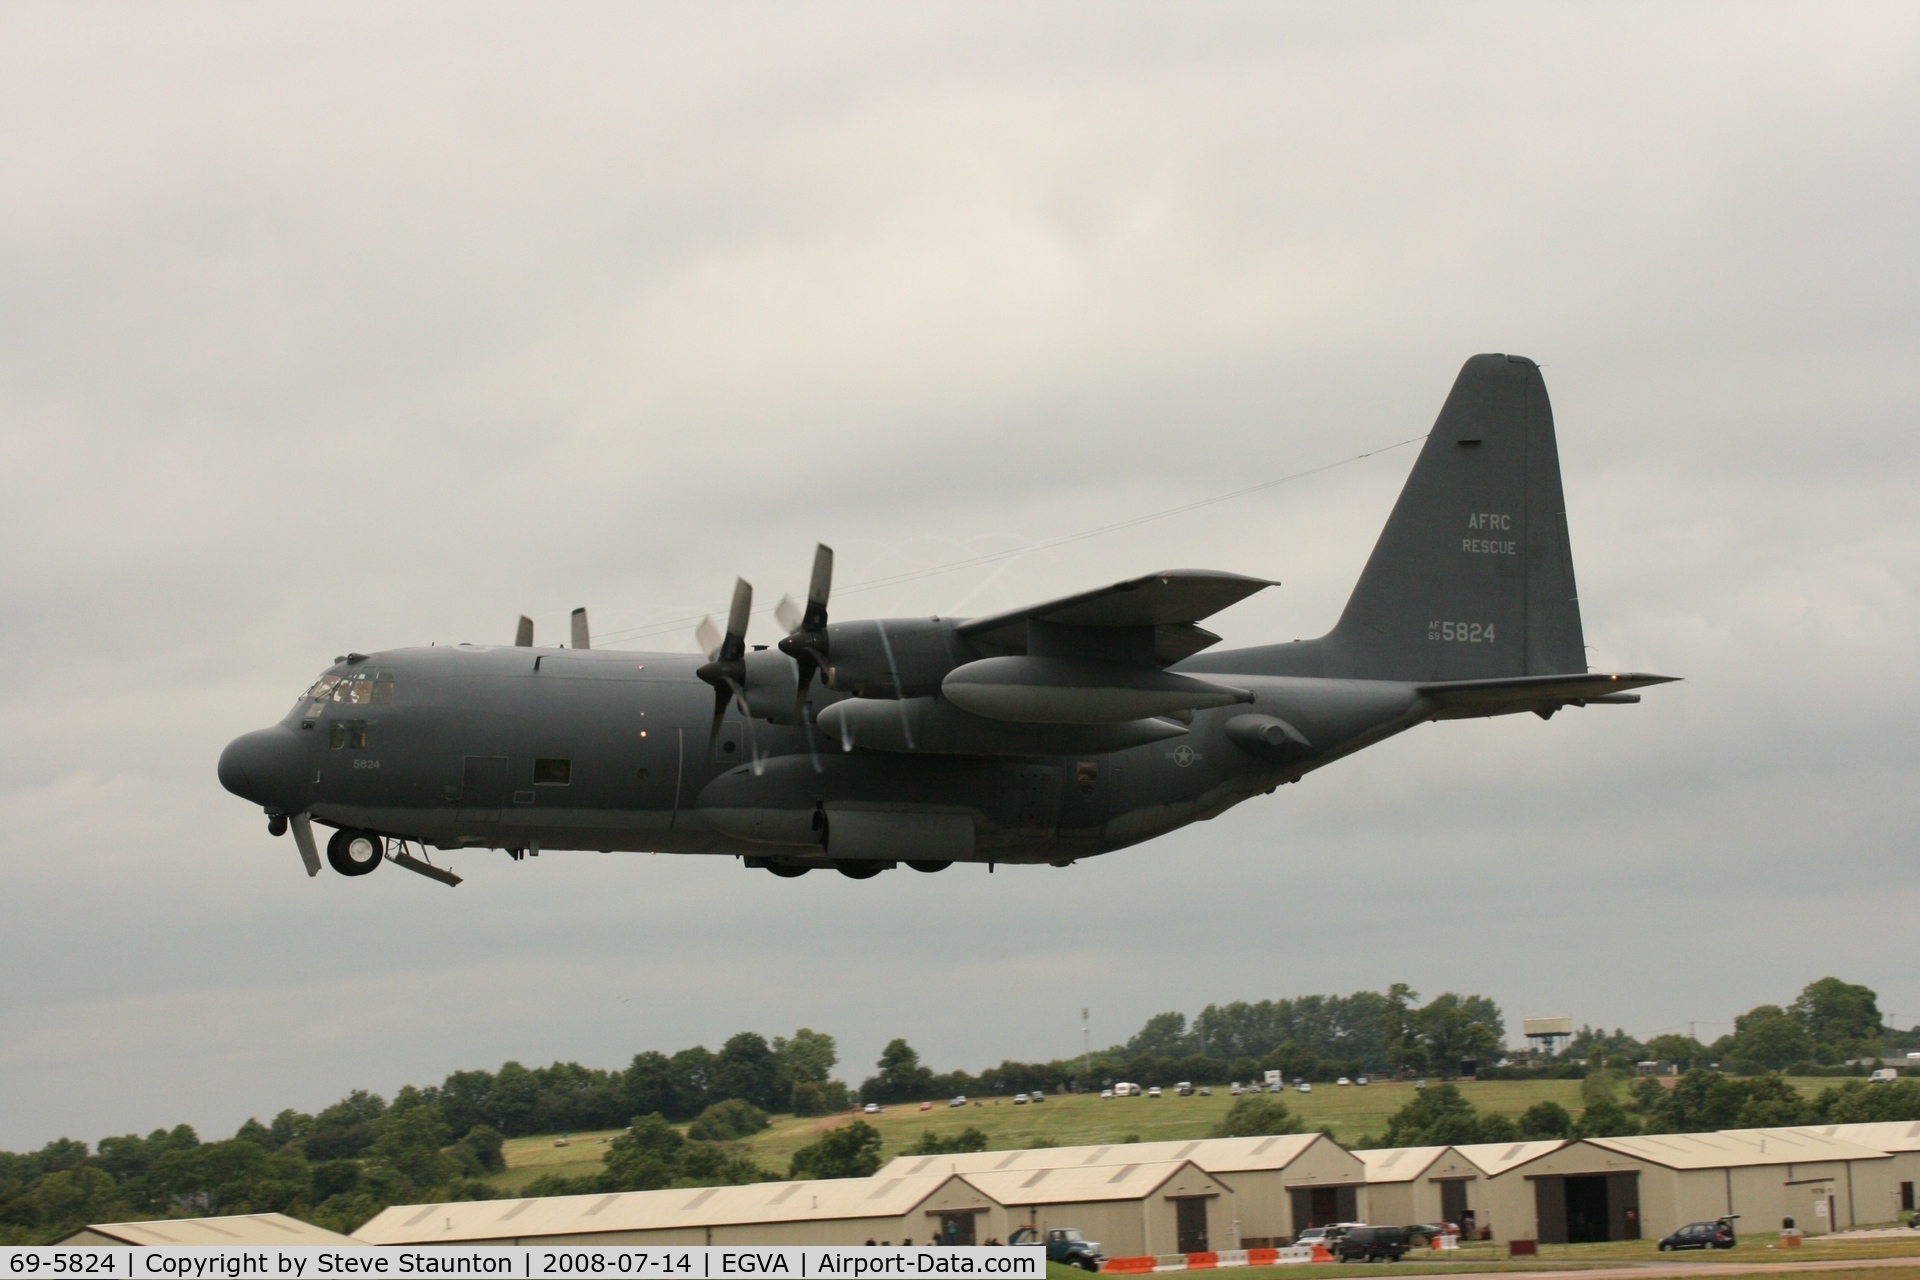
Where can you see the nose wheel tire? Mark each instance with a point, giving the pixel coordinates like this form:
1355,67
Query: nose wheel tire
355,853
788,872
929,867
858,870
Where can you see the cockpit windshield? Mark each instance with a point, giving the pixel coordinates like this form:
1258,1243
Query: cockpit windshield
356,688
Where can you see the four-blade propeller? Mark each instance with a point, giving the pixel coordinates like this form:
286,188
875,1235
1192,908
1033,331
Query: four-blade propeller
806,640
726,666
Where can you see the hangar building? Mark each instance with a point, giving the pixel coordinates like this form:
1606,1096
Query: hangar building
1420,1184
833,1211
258,1229
1900,1139
1282,1184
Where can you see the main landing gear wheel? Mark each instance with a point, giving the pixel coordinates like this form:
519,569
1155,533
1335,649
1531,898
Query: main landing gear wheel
355,853
929,867
858,870
788,871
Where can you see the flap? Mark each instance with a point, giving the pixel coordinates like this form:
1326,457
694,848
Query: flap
1169,602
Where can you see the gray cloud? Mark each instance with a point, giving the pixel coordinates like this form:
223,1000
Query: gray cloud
373,326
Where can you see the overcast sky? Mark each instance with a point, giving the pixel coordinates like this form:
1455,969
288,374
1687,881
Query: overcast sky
336,327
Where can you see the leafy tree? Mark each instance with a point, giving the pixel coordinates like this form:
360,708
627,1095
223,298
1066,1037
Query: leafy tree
1164,1035
1605,1118
823,1099
1494,1127
746,1068
1255,1115
487,1146
1545,1120
1768,1038
1438,1116
410,1144
1453,1027
67,1199
932,1144
1856,1102
1597,1042
235,1176
901,1078
850,1151
346,1128
645,1159
1683,1051
808,1058
1772,1103
1842,1019
726,1121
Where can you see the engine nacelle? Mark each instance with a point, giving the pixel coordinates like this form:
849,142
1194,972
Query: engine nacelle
893,657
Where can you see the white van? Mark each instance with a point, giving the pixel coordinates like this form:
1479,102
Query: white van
1125,1090
1885,1075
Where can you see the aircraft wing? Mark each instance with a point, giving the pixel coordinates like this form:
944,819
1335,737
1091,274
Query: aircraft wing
1170,602
1461,699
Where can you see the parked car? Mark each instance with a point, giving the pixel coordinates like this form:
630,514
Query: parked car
1036,1096
1234,1089
1359,1080
1154,1092
1064,1246
1419,1084
1371,1244
872,1109
1184,1088
1701,1235
1304,1087
926,1106
1019,1099
1343,1080
1106,1095
959,1100
1206,1091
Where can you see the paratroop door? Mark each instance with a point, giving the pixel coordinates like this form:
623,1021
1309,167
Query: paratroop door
483,788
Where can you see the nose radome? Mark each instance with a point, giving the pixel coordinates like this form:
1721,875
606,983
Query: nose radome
268,767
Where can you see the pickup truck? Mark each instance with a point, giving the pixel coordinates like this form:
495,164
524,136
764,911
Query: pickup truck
1064,1245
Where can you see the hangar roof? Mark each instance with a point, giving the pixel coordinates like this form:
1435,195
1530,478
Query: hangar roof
825,1199
1216,1155
1399,1164
1016,1187
1496,1158
1736,1147
249,1229
1886,1135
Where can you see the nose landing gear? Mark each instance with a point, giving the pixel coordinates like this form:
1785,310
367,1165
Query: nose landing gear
355,853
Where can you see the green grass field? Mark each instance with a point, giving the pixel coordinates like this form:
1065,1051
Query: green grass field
1068,1120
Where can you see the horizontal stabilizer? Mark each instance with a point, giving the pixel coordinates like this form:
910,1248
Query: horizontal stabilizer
1460,699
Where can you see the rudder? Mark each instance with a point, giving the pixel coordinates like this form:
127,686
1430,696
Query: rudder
1472,578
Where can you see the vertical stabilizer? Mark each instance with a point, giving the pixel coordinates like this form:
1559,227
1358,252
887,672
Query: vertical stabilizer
1473,576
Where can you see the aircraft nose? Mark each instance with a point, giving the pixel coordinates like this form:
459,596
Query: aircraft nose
268,767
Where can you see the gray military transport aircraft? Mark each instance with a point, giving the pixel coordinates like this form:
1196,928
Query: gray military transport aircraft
1039,735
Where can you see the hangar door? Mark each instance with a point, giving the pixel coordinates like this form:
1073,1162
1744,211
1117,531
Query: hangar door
1587,1208
1323,1206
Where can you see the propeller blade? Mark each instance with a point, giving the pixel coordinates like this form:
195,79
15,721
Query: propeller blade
523,634
734,647
707,636
580,630
787,614
819,587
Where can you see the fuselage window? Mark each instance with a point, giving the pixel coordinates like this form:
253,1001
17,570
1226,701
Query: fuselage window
552,773
351,734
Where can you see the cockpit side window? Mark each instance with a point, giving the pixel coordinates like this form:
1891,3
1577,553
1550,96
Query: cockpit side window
355,688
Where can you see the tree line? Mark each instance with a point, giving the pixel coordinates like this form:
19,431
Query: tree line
339,1166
